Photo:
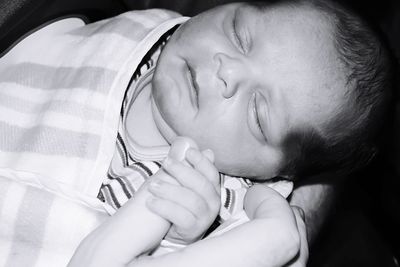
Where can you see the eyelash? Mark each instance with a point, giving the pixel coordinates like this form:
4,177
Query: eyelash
235,35
257,118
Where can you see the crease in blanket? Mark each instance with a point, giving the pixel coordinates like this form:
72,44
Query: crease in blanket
62,89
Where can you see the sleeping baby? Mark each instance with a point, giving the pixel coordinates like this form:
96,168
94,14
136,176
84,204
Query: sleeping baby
270,92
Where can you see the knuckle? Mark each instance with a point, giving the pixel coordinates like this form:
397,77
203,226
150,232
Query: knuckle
199,207
214,173
214,176
204,186
188,222
215,205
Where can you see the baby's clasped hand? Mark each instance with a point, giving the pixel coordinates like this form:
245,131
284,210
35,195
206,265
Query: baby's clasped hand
191,204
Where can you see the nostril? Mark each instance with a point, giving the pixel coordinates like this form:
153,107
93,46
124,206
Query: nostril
217,58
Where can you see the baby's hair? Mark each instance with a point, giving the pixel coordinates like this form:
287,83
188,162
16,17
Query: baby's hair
348,141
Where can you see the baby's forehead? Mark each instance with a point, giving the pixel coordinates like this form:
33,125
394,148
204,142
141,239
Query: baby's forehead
297,13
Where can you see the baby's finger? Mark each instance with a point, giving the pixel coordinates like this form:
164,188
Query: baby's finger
204,165
191,178
172,212
181,195
209,154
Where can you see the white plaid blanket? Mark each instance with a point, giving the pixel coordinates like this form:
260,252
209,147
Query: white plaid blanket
61,90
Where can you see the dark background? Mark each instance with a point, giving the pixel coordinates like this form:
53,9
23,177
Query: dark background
363,227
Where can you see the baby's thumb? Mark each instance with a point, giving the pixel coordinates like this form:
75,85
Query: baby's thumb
209,155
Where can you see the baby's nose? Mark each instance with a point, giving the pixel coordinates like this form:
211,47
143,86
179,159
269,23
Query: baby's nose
230,71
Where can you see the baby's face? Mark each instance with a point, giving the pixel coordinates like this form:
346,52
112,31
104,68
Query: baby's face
237,79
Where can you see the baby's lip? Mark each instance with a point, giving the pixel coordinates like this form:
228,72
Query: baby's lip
194,87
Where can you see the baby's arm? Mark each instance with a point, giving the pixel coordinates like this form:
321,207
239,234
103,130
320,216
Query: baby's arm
130,232
133,230
271,238
316,196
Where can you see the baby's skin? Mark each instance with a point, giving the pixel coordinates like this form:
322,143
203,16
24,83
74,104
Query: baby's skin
185,192
190,204
243,80
238,93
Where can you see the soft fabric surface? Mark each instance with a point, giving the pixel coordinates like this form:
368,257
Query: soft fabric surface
62,89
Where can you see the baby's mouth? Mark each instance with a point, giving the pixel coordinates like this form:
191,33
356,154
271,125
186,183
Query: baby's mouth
194,87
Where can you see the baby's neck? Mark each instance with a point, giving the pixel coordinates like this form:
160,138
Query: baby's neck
140,123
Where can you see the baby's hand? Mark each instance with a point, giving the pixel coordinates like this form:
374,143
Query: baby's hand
193,204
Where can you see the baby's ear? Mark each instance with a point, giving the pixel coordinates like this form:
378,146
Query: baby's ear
209,154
